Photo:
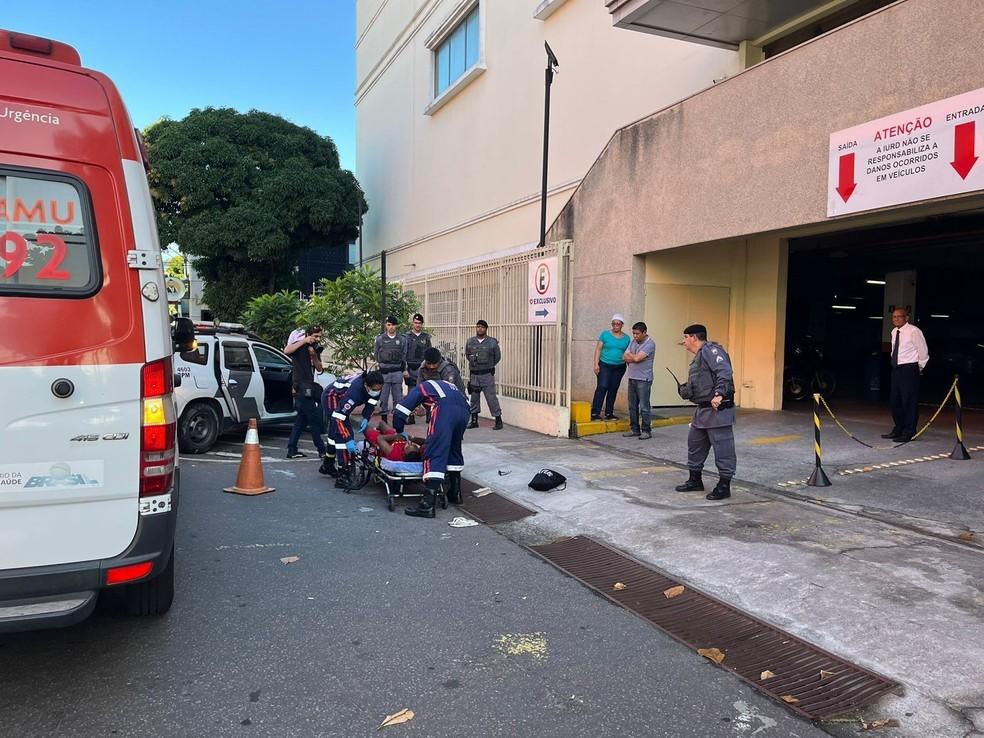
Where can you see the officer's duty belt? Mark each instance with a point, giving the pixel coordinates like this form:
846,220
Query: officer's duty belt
482,371
725,404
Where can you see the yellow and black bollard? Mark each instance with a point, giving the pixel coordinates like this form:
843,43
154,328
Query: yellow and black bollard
819,477
959,450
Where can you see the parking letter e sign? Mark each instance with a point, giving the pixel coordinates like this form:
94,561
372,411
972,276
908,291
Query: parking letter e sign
542,288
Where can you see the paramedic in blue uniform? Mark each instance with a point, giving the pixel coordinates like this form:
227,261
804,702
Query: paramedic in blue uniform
710,385
418,341
340,401
443,458
390,353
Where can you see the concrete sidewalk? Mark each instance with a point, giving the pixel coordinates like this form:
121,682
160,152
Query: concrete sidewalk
898,485
905,604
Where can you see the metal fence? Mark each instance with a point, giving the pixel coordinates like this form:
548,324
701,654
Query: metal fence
535,358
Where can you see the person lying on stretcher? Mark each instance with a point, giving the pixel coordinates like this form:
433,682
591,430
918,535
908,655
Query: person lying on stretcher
394,446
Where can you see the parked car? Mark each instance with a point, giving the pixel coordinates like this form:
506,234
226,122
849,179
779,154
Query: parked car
230,377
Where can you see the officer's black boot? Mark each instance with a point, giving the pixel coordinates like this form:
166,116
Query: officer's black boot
454,487
412,420
385,418
721,491
498,423
474,421
328,466
694,484
426,508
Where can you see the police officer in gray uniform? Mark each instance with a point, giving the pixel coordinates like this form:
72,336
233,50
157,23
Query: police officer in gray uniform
710,385
390,353
436,366
482,352
418,341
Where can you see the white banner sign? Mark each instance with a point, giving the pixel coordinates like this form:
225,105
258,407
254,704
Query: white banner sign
57,475
542,288
923,153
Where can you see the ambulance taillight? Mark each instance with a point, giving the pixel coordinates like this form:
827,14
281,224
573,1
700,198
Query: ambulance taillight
157,439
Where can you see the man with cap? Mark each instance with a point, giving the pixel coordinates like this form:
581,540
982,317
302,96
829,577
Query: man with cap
418,341
482,352
436,366
710,385
390,353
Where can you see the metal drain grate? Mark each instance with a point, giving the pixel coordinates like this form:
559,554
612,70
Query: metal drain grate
810,681
491,508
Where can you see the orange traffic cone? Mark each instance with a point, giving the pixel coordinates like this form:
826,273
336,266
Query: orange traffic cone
249,481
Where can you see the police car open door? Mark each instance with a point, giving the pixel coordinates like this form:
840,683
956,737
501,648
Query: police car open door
236,373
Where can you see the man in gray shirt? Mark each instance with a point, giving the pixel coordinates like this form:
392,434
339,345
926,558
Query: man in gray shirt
390,353
639,359
482,352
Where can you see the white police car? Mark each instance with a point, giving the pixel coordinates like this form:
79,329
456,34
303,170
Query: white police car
229,378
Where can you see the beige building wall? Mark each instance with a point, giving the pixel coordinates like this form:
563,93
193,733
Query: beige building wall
464,180
708,191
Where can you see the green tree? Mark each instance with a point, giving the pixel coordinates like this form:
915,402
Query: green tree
349,309
273,317
175,267
245,194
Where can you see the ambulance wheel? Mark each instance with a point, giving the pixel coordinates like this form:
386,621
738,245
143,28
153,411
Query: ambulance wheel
199,428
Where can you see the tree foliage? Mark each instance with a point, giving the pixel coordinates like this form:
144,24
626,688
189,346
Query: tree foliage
245,193
175,267
349,309
273,317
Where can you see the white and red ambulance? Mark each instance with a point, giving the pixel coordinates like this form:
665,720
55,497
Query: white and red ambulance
88,470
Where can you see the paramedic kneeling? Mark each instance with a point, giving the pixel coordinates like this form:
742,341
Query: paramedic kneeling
340,400
443,457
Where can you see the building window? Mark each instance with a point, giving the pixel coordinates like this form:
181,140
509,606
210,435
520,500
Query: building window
457,53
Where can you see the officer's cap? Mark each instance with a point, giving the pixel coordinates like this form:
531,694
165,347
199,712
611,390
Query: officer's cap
693,330
482,323
418,316
391,320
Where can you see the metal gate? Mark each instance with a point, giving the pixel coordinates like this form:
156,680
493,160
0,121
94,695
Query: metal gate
535,364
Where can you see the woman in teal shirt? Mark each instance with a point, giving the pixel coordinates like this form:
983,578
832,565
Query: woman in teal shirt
609,365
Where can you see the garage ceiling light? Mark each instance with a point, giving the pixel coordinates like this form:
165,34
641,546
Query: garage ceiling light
939,316
874,281
844,307
874,317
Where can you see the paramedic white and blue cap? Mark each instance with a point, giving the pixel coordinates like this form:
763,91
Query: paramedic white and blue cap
619,318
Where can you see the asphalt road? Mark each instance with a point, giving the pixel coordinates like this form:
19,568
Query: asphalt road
381,612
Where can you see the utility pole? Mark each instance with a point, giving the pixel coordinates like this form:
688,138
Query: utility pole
360,226
382,277
552,66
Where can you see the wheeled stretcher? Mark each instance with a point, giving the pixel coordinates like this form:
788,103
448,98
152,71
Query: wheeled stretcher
394,476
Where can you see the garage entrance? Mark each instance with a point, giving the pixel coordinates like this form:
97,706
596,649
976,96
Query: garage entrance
842,288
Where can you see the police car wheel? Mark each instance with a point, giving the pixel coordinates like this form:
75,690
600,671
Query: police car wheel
199,428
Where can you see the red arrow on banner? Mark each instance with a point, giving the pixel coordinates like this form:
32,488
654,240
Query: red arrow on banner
963,148
847,184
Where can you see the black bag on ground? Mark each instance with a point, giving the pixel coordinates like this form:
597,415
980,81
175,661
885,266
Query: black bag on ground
547,479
